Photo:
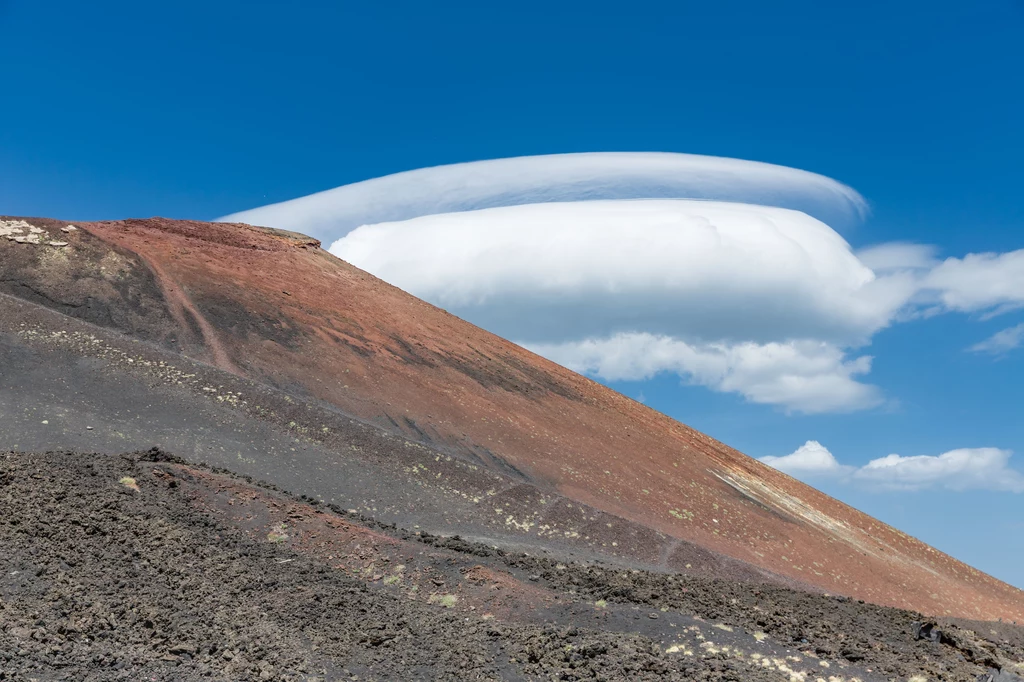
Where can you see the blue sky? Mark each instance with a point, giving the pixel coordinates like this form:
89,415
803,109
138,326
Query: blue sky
198,110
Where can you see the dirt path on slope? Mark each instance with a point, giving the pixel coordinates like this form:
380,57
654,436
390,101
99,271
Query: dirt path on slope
189,317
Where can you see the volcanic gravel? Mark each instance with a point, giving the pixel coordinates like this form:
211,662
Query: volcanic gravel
100,580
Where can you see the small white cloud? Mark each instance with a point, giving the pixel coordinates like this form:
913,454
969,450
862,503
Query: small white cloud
800,376
1001,342
811,459
963,469
979,282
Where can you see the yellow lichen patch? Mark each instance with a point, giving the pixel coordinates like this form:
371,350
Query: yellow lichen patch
129,482
278,533
710,647
760,636
722,626
679,649
445,600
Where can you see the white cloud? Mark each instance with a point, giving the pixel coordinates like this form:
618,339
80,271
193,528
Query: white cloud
331,214
801,376
704,289
699,270
809,460
1002,341
989,283
963,469
979,282
629,264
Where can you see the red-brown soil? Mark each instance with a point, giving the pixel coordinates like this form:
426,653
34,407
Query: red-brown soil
275,308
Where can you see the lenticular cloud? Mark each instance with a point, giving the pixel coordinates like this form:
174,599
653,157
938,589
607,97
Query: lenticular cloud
755,300
730,270
700,270
727,273
332,214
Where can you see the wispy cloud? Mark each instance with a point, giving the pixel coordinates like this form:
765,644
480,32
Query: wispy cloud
332,214
895,256
961,469
1001,342
802,376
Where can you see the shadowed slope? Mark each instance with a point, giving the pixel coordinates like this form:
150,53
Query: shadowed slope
273,307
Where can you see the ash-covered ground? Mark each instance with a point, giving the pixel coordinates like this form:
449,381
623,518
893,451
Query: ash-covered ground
143,567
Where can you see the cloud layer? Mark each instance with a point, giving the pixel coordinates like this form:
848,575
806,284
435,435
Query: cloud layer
962,469
765,302
803,376
755,300
624,265
332,214
690,269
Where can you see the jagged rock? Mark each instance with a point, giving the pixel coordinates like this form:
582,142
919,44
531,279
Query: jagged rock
926,630
999,676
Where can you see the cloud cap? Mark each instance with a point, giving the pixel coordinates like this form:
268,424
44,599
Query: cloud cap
690,269
331,214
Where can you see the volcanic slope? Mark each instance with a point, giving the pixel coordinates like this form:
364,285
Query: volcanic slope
141,566
497,443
